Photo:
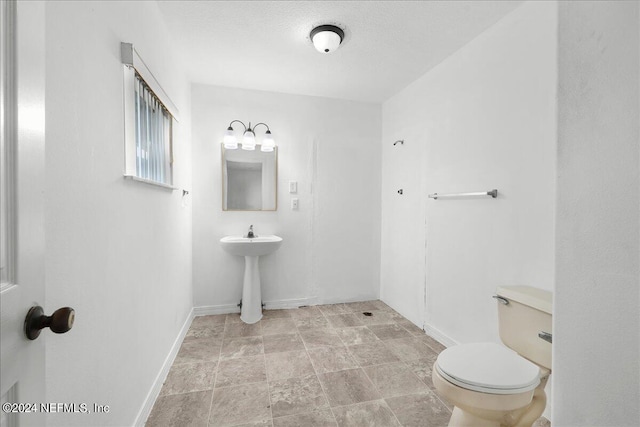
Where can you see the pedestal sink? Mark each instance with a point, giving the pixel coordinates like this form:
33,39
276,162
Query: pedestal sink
251,249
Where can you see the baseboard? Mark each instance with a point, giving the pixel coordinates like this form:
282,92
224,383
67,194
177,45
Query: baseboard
289,303
345,300
141,419
439,336
208,310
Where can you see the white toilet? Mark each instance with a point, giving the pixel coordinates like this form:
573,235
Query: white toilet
491,385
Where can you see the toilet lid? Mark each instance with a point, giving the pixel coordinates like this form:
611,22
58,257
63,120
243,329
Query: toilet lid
488,368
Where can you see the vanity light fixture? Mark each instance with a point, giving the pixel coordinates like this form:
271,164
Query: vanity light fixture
248,138
327,38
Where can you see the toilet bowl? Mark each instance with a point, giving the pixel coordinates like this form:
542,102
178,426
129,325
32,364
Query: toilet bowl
494,385
490,385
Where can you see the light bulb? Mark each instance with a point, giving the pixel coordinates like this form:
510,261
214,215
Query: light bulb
229,140
268,142
249,141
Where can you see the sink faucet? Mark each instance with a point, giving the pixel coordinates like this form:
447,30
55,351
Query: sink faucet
250,234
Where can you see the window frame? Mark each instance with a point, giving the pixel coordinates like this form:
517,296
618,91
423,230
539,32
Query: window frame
134,65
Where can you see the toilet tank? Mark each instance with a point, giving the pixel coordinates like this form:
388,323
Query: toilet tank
523,313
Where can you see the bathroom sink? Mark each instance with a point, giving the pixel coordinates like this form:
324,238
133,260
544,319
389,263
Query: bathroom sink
255,246
251,248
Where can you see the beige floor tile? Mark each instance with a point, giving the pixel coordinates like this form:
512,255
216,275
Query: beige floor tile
361,306
199,350
235,347
208,321
348,387
379,305
331,359
302,312
243,404
320,338
370,414
435,345
296,396
419,410
288,364
189,377
344,320
395,379
422,368
397,317
187,409
212,332
317,418
410,327
378,317
276,314
239,371
278,326
280,343
331,309
242,330
542,422
356,335
389,332
306,323
375,353
278,358
232,318
409,348
263,423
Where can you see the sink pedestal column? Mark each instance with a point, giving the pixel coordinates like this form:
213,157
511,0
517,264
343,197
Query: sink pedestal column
251,311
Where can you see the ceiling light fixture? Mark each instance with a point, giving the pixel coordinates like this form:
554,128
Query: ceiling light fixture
327,38
248,138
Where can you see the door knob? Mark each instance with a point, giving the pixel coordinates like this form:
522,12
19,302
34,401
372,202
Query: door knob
59,322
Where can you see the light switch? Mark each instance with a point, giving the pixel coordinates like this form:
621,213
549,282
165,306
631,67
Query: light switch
293,187
294,204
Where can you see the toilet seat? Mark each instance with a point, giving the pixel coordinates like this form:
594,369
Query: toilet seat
488,368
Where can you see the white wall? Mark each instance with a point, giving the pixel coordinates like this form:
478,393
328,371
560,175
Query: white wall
482,119
597,310
331,248
119,252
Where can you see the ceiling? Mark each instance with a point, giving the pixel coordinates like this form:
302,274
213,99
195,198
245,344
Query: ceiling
265,45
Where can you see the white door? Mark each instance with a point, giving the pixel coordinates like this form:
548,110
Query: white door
22,361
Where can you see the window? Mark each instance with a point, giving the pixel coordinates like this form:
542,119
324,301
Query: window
8,144
149,118
153,136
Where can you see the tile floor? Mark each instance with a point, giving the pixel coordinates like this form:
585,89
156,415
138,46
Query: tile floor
326,365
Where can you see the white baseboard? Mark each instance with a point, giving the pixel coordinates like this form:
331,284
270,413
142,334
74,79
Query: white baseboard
208,310
345,300
268,305
439,336
289,303
141,419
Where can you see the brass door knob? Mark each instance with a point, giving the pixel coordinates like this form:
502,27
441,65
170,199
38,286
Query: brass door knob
59,322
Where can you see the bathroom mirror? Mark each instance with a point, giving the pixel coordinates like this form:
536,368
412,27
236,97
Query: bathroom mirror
249,180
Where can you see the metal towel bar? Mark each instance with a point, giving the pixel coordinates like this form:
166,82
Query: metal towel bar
493,193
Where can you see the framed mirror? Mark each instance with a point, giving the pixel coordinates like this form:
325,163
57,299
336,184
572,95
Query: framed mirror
249,180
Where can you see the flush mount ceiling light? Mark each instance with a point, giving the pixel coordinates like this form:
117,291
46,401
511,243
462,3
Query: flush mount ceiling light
248,138
327,38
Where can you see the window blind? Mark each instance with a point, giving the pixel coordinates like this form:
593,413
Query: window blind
152,135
